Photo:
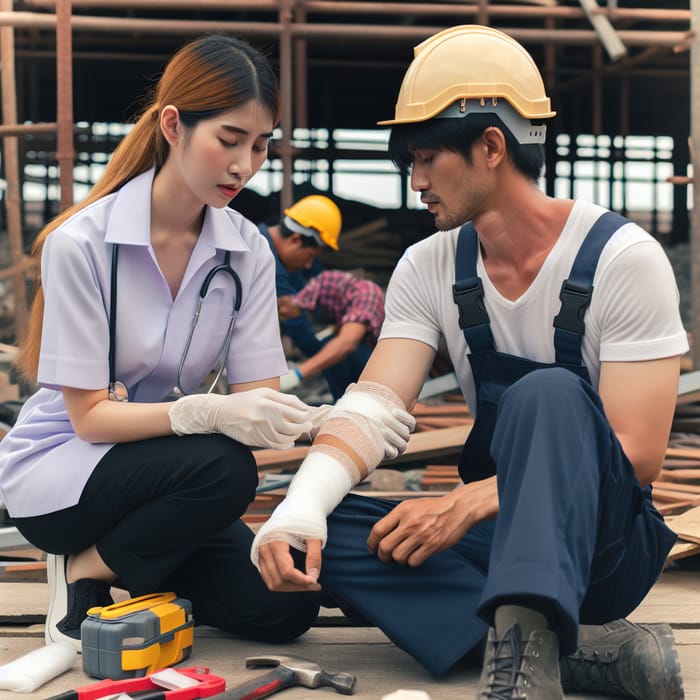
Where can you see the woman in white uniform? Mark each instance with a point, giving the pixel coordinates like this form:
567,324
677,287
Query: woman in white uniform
116,467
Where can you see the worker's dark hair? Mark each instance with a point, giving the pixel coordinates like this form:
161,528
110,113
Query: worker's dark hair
207,76
306,241
458,135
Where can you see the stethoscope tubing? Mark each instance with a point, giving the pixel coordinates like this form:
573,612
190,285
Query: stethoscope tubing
203,291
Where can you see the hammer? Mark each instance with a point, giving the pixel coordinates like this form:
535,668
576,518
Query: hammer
288,671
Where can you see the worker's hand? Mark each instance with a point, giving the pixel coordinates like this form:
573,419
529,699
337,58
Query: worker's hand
418,528
294,522
260,417
290,380
279,573
286,308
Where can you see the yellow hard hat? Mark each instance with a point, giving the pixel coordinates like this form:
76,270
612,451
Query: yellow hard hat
470,62
316,216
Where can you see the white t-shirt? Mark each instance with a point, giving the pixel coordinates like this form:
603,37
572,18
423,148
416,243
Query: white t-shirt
634,313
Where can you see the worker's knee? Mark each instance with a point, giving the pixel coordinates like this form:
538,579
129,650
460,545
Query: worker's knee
551,387
285,617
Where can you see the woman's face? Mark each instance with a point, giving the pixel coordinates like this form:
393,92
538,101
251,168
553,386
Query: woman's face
218,156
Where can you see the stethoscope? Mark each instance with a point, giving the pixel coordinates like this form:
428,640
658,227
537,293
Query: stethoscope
117,389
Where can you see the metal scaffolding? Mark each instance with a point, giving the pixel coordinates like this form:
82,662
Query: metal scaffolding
295,25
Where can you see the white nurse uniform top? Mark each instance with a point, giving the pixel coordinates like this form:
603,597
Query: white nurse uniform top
43,464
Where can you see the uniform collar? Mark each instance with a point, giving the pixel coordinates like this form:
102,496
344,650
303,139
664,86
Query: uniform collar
129,221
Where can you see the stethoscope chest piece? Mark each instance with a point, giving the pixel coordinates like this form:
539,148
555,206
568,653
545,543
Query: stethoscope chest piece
118,392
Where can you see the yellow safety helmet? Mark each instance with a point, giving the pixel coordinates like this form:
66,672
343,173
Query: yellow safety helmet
316,216
470,65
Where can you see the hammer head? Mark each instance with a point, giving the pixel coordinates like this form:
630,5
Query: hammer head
306,673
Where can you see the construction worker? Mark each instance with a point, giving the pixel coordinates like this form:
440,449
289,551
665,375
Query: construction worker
562,322
354,308
307,227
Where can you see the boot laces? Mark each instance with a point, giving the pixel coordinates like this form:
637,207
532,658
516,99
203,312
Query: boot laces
505,667
593,671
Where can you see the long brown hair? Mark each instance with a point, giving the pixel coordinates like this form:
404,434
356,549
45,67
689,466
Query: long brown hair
207,76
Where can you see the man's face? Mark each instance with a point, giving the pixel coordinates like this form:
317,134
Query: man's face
296,254
454,190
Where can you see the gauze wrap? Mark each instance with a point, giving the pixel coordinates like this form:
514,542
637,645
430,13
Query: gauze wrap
368,424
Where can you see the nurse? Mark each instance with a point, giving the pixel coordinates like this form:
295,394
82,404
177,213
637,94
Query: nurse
119,466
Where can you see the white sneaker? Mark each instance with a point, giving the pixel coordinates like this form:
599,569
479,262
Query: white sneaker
58,601
70,602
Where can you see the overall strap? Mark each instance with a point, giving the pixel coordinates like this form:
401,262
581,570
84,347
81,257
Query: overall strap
468,293
577,290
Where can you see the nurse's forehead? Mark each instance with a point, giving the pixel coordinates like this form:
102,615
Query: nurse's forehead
232,128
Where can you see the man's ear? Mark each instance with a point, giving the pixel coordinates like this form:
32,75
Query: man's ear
494,142
169,123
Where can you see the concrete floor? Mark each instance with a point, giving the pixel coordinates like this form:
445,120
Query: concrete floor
379,666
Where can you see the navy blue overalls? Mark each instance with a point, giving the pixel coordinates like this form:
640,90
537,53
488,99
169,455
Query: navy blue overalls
574,527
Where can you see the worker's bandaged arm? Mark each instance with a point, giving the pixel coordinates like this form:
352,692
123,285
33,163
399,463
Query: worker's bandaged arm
368,424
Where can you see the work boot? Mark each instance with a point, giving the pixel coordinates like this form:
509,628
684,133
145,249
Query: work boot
517,670
621,658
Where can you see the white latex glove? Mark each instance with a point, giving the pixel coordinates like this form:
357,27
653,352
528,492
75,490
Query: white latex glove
258,418
318,415
290,380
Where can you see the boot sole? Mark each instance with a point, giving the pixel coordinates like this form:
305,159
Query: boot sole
672,688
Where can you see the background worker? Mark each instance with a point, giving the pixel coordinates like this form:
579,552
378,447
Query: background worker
308,226
355,309
554,537
116,467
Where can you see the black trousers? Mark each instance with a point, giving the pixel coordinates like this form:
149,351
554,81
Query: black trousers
164,515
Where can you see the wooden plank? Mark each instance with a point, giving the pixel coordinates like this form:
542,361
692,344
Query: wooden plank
25,602
676,486
682,475
451,409
687,525
681,550
675,508
683,452
689,387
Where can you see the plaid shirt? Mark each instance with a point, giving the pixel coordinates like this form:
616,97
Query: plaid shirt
338,297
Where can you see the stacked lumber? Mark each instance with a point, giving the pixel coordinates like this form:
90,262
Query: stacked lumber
441,414
678,486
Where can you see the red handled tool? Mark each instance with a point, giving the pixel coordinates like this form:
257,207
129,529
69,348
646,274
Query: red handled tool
262,686
207,685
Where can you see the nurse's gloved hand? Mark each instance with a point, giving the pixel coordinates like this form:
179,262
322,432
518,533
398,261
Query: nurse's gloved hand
317,416
258,418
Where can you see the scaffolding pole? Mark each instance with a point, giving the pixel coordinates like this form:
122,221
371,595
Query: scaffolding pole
10,152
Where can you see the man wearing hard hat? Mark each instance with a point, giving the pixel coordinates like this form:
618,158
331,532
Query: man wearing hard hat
307,227
561,319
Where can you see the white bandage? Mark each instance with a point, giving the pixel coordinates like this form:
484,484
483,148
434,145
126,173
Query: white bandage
319,485
29,672
368,424
381,412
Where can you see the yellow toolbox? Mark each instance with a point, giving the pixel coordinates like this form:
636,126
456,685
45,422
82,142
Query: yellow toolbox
137,636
